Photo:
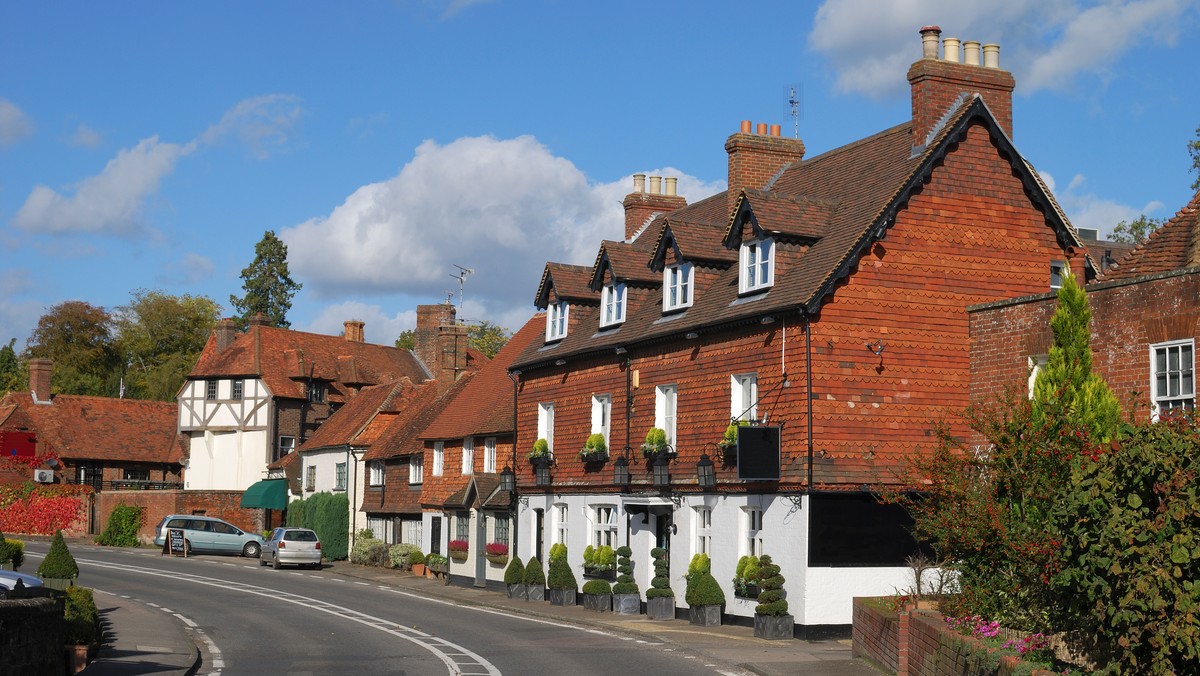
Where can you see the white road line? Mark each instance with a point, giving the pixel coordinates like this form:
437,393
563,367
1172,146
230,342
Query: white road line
186,621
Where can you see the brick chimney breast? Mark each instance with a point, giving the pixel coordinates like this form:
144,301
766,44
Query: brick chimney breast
354,331
754,159
40,371
427,338
226,332
938,83
641,206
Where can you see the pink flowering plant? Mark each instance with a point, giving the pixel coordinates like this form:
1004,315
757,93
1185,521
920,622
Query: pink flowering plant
458,545
496,549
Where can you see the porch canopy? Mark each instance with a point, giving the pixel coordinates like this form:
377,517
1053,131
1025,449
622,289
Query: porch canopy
267,494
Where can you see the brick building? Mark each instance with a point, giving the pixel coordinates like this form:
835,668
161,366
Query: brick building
823,299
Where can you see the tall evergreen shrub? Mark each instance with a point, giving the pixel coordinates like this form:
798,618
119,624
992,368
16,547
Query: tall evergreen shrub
660,584
625,583
58,562
771,600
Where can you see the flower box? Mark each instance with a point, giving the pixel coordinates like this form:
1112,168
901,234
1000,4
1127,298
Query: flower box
627,604
705,616
587,455
598,574
498,559
660,608
599,602
458,555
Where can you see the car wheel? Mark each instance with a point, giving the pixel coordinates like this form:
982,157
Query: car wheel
262,560
275,562
187,547
251,550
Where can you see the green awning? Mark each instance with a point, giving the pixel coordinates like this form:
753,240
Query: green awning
268,494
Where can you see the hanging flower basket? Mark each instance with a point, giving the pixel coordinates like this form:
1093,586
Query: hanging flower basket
458,549
498,559
496,552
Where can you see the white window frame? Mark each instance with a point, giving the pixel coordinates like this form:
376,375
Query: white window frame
339,477
378,473
489,455
702,528
556,320
287,444
310,478
1059,271
416,470
412,531
666,410
743,396
1181,375
237,389
439,457
546,423
757,265
210,389
379,527
604,526
468,455
678,286
612,304
561,522
752,521
602,415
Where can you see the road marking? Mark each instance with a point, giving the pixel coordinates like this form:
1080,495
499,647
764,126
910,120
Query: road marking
186,621
215,653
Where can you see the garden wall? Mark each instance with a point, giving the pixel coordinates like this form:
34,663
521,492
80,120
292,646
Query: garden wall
31,636
157,504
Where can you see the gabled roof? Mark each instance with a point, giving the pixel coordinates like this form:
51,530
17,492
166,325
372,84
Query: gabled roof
401,435
358,422
627,262
285,359
485,405
569,282
1174,245
846,200
482,491
76,427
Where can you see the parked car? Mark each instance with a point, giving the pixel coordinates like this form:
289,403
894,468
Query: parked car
9,578
208,534
299,546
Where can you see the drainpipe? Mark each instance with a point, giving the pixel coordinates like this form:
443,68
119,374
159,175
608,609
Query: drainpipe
512,499
808,393
353,530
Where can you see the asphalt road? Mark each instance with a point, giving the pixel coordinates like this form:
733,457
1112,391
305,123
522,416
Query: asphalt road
256,620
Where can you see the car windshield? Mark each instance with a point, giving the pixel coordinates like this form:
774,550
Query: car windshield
300,536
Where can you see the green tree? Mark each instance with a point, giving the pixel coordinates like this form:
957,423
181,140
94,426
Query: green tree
1135,231
268,285
160,336
1194,151
1067,389
407,340
77,336
487,337
10,369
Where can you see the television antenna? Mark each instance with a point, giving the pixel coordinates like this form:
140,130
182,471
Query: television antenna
462,275
795,106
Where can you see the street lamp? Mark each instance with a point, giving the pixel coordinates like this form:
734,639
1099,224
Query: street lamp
705,475
508,480
542,474
621,472
661,471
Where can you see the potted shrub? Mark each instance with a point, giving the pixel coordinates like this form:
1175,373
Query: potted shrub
560,583
595,449
660,598
81,620
771,618
704,595
401,555
58,569
416,563
540,454
496,552
655,443
514,578
597,595
535,580
627,598
458,549
745,578
600,562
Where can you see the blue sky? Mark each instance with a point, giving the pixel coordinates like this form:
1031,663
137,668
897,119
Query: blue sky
150,145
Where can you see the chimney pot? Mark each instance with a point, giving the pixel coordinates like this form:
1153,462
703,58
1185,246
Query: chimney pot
950,50
671,185
639,183
762,129
745,126
775,130
929,42
656,185
971,52
991,56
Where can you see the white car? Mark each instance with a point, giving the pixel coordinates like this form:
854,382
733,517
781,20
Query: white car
9,579
299,546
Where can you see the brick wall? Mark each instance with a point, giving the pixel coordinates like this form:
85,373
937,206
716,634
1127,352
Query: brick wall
31,636
157,504
875,635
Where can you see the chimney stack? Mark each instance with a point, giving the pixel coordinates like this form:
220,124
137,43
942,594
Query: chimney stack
641,206
259,319
430,319
226,332
754,159
354,331
937,83
39,380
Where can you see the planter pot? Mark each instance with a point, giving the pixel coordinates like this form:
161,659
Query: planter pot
516,591
774,627
535,592
627,604
705,616
595,457
498,559
458,556
662,608
418,569
77,658
601,603
561,597
751,592
59,583
592,573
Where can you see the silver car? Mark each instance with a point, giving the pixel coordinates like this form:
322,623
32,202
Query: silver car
10,580
208,534
299,546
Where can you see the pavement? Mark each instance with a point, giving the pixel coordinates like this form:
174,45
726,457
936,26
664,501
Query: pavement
139,641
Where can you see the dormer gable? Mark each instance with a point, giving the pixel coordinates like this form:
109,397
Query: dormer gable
760,214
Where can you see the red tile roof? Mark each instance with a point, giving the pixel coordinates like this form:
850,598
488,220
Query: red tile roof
569,282
626,261
1174,245
354,423
401,437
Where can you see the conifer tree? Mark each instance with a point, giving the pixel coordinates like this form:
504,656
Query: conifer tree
268,284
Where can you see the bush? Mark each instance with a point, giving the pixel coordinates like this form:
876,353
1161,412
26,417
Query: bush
700,566
123,525
515,572
458,545
401,555
625,583
541,449
660,585
589,556
771,599
656,440
327,514
369,551
58,562
533,573
705,591
561,576
415,558
81,617
604,558
558,551
16,553
597,587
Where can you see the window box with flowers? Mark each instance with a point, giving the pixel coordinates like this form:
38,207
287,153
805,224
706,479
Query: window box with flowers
595,450
540,454
729,442
458,549
496,552
656,444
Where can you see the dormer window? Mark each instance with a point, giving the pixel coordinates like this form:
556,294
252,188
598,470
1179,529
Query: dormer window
677,286
757,265
556,321
612,304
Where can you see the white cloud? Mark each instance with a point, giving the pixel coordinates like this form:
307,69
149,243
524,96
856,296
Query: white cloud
1087,210
191,269
85,137
379,327
14,124
262,123
502,207
1044,43
17,317
109,202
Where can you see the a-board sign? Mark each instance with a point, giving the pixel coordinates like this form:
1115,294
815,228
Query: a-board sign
175,544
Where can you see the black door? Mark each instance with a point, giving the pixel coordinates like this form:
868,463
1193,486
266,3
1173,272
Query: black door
435,535
662,529
539,516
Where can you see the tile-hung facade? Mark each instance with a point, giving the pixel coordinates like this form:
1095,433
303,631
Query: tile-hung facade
823,296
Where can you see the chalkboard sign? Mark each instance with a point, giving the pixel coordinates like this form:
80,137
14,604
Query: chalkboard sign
175,544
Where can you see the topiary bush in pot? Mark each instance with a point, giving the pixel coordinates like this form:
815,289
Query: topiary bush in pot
627,598
535,580
597,595
514,578
660,598
704,595
81,617
745,578
561,580
58,570
771,618
15,556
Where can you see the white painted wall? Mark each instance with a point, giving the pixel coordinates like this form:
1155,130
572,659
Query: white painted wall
228,460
